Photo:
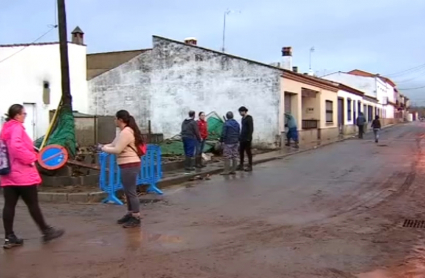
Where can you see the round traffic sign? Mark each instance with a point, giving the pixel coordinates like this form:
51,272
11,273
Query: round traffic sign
52,157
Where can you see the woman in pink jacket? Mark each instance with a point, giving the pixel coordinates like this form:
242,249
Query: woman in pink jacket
21,178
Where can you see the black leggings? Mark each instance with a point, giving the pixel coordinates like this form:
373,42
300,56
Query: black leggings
245,146
30,197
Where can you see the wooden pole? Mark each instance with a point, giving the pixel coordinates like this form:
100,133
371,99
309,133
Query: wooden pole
63,45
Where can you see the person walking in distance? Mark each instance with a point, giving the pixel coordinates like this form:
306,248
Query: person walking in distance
203,130
376,126
361,120
128,145
191,138
245,139
19,177
230,139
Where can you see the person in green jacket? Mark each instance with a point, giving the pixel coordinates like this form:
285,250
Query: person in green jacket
292,132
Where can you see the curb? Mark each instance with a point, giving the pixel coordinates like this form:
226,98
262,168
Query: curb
96,197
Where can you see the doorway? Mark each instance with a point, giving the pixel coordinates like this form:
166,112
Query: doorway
30,120
340,115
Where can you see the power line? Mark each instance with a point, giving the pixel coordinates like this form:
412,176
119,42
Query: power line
408,80
407,89
420,67
23,48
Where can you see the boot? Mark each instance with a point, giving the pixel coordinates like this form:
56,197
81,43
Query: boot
234,167
187,164
226,171
198,163
192,164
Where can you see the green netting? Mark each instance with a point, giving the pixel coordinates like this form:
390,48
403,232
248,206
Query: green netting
63,132
175,147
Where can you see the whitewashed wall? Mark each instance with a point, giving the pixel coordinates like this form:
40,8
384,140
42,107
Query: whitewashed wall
164,84
371,86
22,76
347,95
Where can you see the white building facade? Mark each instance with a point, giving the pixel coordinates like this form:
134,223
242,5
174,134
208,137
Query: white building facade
160,86
373,87
30,74
348,100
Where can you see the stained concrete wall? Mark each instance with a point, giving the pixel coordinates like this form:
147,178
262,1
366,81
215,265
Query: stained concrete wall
165,83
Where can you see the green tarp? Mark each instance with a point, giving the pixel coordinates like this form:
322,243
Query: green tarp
63,132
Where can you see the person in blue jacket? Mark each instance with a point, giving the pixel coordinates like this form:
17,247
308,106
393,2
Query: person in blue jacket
292,132
230,139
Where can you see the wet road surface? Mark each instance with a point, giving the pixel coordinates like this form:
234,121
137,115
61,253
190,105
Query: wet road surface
336,211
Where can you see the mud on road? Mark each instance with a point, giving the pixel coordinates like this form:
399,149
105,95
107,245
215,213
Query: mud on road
337,211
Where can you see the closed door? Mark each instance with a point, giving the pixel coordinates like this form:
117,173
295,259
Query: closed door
340,114
288,103
30,120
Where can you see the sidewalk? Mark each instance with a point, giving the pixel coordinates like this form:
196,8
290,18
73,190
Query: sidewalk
178,176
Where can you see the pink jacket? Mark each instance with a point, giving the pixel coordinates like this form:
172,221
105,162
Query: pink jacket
21,156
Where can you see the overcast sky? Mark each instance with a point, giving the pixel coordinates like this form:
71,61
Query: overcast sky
379,36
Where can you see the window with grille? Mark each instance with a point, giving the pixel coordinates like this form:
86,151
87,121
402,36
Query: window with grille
329,111
349,115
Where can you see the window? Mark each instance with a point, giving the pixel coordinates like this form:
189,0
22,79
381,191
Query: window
355,113
349,109
329,112
369,113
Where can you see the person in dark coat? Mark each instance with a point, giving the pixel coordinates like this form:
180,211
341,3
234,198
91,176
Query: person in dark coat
376,126
191,138
230,139
361,120
245,139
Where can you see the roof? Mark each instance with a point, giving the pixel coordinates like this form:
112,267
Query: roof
32,44
218,52
77,30
351,90
368,74
371,99
98,63
311,80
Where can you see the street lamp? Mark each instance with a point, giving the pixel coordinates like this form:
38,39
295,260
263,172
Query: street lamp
226,13
311,52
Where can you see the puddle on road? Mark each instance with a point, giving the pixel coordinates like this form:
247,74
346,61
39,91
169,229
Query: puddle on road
411,267
137,237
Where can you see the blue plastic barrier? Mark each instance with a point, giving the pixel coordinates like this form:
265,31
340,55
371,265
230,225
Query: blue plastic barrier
110,174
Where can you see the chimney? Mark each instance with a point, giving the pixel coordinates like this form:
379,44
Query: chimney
295,69
192,41
287,58
77,36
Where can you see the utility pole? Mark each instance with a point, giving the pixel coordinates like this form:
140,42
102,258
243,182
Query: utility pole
311,52
226,13
63,46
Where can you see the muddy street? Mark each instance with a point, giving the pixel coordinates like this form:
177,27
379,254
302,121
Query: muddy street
337,211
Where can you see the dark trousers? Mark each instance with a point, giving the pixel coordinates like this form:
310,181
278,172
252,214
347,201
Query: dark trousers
129,184
361,131
189,146
30,196
245,146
